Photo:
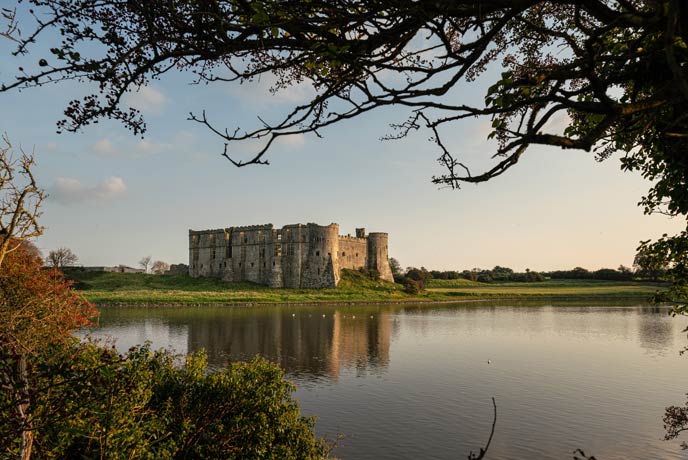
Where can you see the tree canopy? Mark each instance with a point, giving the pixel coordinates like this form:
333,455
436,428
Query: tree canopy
61,257
613,72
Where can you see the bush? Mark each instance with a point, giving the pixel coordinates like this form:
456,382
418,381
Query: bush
412,286
372,273
143,405
63,399
484,278
399,278
38,310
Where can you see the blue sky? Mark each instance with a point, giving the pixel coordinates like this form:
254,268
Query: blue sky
115,198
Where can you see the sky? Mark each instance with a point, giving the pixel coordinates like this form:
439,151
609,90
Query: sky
115,198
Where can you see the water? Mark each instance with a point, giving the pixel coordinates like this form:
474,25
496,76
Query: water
402,382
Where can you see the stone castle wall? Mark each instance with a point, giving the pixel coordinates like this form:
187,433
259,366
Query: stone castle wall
295,256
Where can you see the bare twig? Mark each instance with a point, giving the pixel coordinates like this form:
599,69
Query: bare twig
20,199
12,27
483,450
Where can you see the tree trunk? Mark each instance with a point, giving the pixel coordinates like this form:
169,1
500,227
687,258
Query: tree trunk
22,408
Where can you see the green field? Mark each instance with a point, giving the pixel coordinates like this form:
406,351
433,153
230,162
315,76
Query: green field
137,288
549,288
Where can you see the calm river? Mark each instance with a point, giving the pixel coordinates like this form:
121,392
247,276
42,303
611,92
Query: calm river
403,382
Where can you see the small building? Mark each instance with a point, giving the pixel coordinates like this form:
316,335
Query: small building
294,256
177,269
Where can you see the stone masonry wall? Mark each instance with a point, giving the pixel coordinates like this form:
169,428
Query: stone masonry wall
295,256
352,252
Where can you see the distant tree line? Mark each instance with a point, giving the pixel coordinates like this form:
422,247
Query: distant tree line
497,274
645,268
609,274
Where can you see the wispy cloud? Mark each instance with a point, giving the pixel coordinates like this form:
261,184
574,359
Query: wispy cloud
292,142
147,99
49,147
148,147
144,147
68,190
105,148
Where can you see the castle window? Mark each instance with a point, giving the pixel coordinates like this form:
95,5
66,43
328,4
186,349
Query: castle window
356,254
213,255
329,253
317,253
273,263
251,264
263,264
229,251
246,240
343,253
239,264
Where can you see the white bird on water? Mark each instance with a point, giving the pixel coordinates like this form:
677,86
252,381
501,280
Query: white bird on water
488,361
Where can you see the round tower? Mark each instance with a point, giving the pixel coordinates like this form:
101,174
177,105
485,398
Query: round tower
378,256
318,269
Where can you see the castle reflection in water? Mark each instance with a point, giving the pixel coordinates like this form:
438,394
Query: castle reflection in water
324,342
315,343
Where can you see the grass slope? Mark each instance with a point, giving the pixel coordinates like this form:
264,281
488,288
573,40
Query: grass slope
137,288
142,288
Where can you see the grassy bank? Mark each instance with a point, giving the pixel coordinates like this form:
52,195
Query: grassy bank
136,288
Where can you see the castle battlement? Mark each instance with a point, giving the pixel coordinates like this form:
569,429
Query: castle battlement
249,228
294,256
352,238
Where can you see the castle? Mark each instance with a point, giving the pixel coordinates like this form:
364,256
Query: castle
295,256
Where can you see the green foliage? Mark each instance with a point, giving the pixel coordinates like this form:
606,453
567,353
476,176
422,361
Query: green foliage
414,280
670,254
372,273
497,274
394,266
580,273
91,402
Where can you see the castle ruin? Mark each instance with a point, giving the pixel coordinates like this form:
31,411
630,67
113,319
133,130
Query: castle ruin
295,256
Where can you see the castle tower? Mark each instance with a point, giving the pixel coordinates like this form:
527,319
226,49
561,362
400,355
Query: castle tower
378,256
194,254
320,256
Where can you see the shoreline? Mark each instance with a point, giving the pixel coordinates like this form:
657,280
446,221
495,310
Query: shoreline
315,303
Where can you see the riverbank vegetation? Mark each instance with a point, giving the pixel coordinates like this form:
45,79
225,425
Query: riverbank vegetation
64,398
138,288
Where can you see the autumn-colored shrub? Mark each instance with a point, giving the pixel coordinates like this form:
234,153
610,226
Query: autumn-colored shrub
37,305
